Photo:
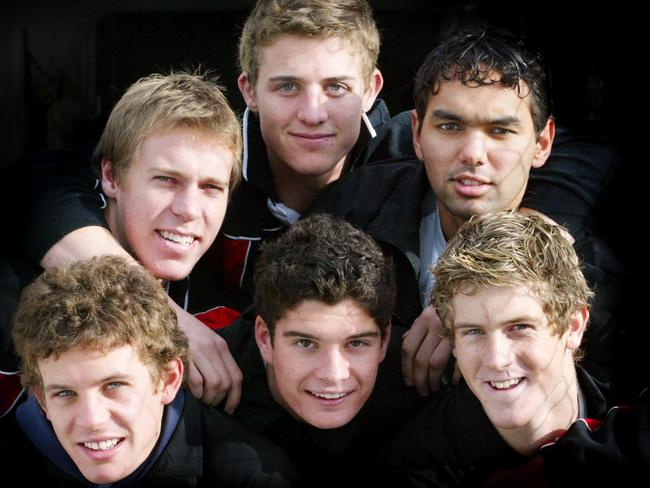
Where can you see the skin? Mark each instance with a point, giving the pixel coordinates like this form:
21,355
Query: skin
90,397
322,360
522,372
478,144
167,208
309,96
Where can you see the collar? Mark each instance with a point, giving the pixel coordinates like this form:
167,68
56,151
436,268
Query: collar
33,422
255,163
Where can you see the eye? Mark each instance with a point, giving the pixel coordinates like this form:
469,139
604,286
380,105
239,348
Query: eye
63,394
449,127
114,385
164,179
472,332
358,343
288,87
305,343
336,88
500,131
521,327
214,188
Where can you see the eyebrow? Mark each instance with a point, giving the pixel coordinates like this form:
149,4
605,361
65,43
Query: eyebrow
103,380
507,120
331,79
296,333
169,170
515,320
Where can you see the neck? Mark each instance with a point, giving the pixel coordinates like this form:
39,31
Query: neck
450,223
555,416
298,191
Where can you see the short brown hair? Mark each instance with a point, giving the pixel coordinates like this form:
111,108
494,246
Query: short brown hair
100,304
351,20
328,260
508,249
159,102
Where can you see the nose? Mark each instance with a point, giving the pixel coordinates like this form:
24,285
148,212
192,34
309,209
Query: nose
499,352
312,110
473,149
186,203
334,368
91,412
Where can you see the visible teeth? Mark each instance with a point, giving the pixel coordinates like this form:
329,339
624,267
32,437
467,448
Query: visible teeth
470,182
502,385
329,396
101,446
179,239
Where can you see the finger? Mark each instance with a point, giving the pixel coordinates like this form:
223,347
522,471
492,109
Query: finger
410,346
421,364
195,381
236,378
438,363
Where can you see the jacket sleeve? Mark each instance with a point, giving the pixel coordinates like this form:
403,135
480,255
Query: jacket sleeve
61,195
572,183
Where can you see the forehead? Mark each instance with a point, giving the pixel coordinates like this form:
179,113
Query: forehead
479,101
80,366
496,305
327,322
303,54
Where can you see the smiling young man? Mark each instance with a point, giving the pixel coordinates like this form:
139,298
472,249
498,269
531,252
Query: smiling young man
321,373
104,360
515,305
168,157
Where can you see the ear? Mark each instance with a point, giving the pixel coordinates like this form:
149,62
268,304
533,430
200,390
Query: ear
372,91
247,91
577,328
38,394
264,340
172,379
109,183
385,340
544,143
415,127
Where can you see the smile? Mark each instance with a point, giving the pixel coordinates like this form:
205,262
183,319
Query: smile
102,445
505,385
184,240
329,396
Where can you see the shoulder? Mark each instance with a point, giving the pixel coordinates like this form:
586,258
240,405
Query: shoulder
233,454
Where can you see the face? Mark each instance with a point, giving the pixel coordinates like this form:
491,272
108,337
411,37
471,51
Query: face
105,409
309,95
478,145
520,371
322,362
168,206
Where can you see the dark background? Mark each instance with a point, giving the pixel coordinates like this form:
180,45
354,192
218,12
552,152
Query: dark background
66,62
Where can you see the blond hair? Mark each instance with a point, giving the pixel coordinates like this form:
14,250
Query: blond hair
99,304
160,102
508,249
350,20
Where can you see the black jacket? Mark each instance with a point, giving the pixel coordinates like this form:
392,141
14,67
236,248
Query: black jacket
207,449
346,456
453,443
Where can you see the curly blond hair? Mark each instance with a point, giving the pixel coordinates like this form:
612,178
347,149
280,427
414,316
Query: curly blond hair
508,249
99,304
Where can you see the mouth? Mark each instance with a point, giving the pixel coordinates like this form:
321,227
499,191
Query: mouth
182,239
506,384
105,445
329,396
